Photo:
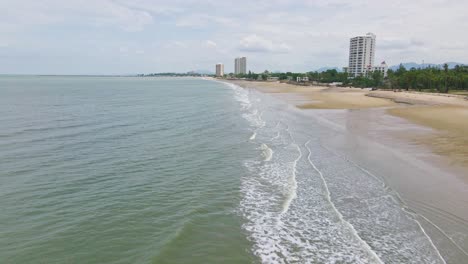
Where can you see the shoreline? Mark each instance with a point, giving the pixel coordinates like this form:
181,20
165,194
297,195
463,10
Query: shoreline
408,149
441,113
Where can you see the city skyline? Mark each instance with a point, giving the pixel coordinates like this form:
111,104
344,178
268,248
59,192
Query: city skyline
112,37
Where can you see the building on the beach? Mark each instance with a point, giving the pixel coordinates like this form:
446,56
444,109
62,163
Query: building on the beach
240,65
219,70
361,55
382,68
302,79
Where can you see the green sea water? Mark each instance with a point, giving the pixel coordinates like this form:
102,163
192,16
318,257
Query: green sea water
188,170
120,170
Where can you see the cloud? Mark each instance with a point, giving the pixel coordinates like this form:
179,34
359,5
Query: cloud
210,44
55,12
254,43
399,44
455,45
179,44
288,35
113,13
203,20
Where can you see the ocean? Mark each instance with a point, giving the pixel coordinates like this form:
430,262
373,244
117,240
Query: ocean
186,170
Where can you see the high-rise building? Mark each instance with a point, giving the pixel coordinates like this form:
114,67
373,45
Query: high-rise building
361,55
240,65
219,70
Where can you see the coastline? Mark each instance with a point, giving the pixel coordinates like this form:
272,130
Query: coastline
443,114
415,147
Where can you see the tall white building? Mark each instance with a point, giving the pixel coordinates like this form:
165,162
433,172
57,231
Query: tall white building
240,65
361,55
219,70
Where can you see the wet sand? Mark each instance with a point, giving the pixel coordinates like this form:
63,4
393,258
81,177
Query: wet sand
447,115
319,97
417,142
451,124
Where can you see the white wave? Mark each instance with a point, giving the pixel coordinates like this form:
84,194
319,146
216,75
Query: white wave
285,226
292,184
404,207
254,135
363,243
267,152
283,231
275,137
241,95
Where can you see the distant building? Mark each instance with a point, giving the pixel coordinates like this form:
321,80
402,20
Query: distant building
302,79
382,68
272,79
361,55
219,70
240,65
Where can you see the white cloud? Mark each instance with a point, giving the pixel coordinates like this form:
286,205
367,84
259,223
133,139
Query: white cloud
254,43
210,44
112,13
399,44
50,12
204,20
290,35
179,44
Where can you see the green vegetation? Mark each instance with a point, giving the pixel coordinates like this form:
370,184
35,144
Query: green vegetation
322,77
429,79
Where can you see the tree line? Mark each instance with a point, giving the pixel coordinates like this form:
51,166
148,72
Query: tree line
432,79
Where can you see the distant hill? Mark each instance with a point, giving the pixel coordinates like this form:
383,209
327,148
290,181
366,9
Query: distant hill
329,68
409,65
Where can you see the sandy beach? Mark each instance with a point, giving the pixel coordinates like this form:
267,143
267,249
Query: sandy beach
319,97
416,142
446,115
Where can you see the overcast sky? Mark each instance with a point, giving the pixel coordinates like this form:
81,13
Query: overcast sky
142,36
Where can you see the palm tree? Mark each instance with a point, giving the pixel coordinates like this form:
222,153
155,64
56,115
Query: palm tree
446,76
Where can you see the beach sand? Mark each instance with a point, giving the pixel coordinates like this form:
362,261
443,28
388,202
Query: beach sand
319,97
451,124
416,142
447,115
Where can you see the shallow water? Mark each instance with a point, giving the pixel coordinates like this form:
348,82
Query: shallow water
141,170
310,204
120,170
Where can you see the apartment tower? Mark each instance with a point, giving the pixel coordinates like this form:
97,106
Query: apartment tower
219,70
361,55
240,65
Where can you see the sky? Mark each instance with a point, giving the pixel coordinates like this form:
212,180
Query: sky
145,36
